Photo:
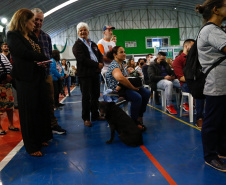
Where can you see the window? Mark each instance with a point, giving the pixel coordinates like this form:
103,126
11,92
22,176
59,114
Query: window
130,44
152,42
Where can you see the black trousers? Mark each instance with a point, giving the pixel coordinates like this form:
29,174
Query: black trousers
56,93
90,88
34,113
214,127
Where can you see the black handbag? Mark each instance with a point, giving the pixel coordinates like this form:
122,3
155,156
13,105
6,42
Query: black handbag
135,81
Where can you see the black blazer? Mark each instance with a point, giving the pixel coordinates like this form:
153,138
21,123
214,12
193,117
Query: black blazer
85,66
24,57
154,73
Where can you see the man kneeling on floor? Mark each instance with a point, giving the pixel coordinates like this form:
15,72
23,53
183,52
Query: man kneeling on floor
162,77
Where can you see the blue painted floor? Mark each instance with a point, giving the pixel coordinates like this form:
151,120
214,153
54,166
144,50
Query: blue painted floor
82,157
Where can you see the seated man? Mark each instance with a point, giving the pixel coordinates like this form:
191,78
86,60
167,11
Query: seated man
161,76
178,66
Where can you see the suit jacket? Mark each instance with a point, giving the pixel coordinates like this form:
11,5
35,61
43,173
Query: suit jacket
86,67
24,57
154,73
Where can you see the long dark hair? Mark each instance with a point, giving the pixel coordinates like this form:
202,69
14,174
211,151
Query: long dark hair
129,63
56,55
111,53
65,63
206,9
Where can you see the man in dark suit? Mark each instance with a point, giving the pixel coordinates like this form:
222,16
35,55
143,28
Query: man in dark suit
89,64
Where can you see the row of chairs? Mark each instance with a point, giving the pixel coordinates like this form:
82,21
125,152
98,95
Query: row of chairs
163,99
179,104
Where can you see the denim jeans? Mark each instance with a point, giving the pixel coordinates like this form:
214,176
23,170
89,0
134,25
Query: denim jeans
167,86
67,81
199,103
139,100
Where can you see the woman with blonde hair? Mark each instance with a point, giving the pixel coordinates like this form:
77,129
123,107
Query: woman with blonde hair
30,82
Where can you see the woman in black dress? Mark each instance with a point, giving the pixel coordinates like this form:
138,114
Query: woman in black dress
30,82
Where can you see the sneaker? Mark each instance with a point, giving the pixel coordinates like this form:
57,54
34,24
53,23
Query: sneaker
198,123
58,130
217,164
186,107
61,104
222,156
171,109
120,101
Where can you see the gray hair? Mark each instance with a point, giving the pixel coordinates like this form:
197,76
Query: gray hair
82,24
37,10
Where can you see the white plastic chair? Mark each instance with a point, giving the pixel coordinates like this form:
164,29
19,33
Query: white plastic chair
163,98
190,103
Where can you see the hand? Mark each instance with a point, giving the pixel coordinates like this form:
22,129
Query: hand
135,89
61,77
167,77
66,76
7,80
100,65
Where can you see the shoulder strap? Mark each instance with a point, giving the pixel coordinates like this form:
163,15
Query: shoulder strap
208,23
221,59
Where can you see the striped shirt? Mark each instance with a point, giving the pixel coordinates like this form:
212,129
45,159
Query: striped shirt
45,43
7,64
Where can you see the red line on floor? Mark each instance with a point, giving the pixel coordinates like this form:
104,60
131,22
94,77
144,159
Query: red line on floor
158,166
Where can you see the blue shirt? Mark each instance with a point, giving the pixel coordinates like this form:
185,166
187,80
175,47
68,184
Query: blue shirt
54,72
111,81
92,55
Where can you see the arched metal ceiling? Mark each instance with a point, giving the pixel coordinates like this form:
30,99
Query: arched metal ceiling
85,9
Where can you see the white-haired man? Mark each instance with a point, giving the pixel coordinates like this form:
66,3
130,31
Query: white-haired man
46,45
89,64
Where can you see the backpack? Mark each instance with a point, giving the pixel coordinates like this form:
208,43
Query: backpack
193,74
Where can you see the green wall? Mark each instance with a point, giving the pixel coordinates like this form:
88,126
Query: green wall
139,36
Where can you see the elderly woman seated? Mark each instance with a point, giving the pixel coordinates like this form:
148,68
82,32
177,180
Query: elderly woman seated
137,96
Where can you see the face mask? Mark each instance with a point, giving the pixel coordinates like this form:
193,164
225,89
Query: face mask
142,64
152,59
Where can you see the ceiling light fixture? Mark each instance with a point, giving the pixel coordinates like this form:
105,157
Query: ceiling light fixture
59,7
4,20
